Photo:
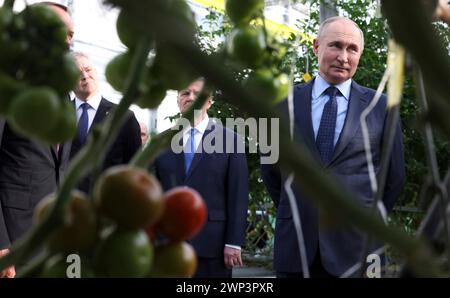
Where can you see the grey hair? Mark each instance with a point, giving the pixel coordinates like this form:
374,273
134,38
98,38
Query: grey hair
328,22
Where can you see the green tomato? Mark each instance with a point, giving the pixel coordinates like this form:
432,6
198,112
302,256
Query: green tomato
43,23
263,84
118,69
247,45
9,88
170,70
66,125
127,29
176,259
64,75
34,111
124,253
242,11
59,265
153,94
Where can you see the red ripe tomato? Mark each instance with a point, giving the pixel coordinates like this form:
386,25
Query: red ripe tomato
176,259
184,213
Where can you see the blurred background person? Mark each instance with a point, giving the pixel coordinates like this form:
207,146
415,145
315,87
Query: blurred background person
29,170
92,109
144,133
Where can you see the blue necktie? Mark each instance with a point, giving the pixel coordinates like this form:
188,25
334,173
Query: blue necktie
325,136
189,154
83,124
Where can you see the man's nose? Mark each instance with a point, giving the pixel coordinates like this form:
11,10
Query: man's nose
83,74
342,57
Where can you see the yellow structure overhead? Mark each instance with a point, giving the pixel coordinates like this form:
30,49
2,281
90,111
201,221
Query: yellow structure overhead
271,25
220,4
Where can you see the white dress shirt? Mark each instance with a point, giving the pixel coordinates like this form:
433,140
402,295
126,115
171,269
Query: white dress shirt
94,103
199,131
320,98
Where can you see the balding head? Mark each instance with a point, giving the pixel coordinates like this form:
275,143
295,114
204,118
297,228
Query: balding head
325,24
65,17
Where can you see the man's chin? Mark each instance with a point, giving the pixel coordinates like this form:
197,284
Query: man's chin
338,78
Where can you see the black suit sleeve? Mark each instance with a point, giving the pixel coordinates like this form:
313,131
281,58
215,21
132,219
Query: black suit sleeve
4,239
237,199
271,176
396,178
271,173
133,134
2,127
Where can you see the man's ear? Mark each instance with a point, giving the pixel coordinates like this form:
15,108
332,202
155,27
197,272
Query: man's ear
209,102
316,46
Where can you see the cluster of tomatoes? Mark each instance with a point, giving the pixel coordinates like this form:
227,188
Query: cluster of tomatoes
249,44
130,228
164,71
36,74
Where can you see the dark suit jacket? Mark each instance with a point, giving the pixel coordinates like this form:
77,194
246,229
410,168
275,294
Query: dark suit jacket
340,247
127,142
29,171
222,181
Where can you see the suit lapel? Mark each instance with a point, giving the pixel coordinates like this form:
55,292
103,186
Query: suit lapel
199,153
53,154
180,172
303,119
64,150
103,110
355,107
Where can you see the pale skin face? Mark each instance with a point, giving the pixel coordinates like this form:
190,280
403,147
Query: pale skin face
67,20
87,86
338,51
187,96
144,133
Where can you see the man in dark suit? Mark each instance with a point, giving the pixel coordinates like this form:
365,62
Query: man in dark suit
327,112
92,109
29,170
221,178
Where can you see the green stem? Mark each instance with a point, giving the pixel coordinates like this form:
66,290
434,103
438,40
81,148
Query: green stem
33,269
93,150
9,4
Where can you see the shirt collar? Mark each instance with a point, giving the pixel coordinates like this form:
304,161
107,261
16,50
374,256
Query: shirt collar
93,102
201,127
320,85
